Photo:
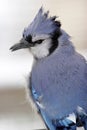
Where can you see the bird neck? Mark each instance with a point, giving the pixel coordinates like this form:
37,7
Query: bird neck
64,38
65,46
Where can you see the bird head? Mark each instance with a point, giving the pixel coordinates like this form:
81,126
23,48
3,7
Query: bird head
41,36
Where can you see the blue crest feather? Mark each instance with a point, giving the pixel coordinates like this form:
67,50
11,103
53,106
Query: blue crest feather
42,24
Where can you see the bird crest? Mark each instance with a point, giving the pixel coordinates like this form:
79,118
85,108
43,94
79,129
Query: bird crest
42,24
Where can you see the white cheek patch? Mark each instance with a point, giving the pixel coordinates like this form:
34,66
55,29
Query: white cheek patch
41,50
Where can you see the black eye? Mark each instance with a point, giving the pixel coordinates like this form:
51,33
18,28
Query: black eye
39,41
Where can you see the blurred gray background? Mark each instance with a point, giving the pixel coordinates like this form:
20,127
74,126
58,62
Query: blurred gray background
15,15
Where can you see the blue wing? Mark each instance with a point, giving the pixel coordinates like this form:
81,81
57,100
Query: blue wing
59,124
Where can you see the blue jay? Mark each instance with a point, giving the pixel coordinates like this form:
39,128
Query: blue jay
58,81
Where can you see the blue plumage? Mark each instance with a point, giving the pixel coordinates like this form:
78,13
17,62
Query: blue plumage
42,24
58,83
62,82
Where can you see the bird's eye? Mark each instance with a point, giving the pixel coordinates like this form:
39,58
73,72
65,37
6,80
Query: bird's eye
39,41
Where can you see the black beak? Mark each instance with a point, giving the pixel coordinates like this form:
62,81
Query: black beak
16,47
21,45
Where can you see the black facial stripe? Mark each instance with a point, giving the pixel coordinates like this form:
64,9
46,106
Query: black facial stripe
28,38
53,47
55,37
